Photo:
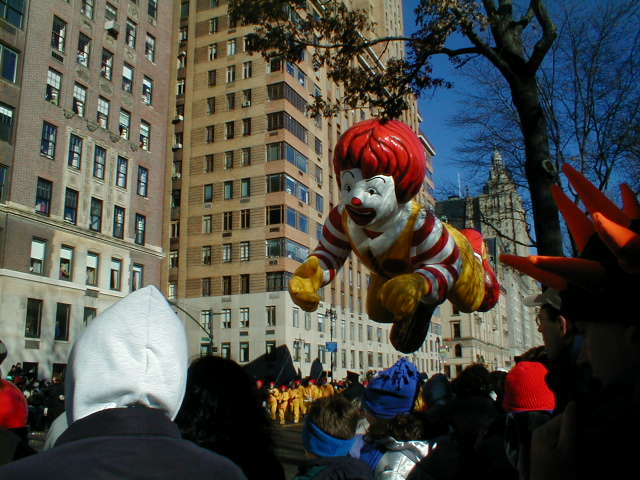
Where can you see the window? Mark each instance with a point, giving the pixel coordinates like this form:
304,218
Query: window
246,126
143,181
210,134
227,223
212,51
226,285
231,73
8,63
99,161
66,263
71,206
296,317
247,69
63,311
229,130
226,318
284,151
88,315
84,50
93,263
206,224
175,229
228,159
137,277
277,91
58,34
75,151
110,12
271,315
244,317
228,190
211,105
211,78
33,318
86,8
307,353
245,218
318,146
38,252
244,352
131,31
43,196
3,180
106,64
246,156
180,86
12,11
206,255
278,120
277,281
319,203
152,9
48,141
307,321
102,114
115,278
231,101
208,193
244,251
147,90
150,47
173,290
52,92
270,346
232,47
183,34
245,188
225,350
118,221
6,122
455,329
174,259
206,287
244,283
208,163
184,8
95,215
121,172
145,135
457,350
226,252
127,78
124,124
79,99
274,214
213,25
141,227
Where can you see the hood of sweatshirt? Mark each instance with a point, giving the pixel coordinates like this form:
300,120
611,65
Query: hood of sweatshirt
133,353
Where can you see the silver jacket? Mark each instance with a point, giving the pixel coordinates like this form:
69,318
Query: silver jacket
400,458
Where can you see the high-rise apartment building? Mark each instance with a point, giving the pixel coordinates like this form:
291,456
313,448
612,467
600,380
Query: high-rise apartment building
84,94
251,185
509,328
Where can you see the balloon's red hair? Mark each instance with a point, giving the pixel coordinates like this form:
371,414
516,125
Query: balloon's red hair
383,148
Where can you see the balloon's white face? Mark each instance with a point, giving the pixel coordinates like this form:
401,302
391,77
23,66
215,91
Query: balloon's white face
368,200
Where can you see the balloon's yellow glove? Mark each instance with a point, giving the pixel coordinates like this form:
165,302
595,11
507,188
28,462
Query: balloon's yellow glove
305,283
401,294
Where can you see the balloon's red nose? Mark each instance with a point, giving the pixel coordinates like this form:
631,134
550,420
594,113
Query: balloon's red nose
356,202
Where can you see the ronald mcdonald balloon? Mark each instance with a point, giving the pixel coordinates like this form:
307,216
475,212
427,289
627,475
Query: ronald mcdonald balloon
416,261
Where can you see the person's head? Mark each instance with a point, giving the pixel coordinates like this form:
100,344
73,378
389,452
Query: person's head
3,352
379,165
132,354
13,406
555,329
526,390
473,381
393,391
437,391
330,426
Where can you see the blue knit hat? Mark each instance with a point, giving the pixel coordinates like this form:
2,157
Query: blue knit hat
393,391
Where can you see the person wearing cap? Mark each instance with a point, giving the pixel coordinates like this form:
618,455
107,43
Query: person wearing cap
328,435
595,437
125,381
391,443
272,400
296,400
283,404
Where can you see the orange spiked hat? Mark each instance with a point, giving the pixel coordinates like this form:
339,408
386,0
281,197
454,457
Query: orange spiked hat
602,283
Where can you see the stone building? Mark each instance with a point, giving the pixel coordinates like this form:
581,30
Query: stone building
83,114
509,329
251,184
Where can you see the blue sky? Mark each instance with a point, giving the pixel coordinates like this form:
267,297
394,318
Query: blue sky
436,109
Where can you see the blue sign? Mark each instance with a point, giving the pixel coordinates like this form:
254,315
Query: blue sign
332,347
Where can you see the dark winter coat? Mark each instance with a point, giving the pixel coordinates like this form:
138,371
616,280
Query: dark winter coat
333,468
135,442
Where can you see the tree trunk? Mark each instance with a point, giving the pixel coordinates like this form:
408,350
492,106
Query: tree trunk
534,131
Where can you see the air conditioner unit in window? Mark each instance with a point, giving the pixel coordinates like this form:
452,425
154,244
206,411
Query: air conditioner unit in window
177,176
112,27
102,122
208,205
246,103
177,146
183,53
273,262
124,132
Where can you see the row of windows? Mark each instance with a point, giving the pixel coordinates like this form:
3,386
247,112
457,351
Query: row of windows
44,193
87,8
39,255
243,318
275,216
229,131
276,282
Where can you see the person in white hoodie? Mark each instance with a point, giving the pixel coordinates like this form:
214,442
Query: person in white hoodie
125,382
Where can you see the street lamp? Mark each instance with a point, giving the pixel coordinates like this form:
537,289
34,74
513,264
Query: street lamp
332,315
209,331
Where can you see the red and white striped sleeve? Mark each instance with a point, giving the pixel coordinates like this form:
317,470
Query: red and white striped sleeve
435,256
333,246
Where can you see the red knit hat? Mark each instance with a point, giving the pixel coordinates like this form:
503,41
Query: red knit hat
525,389
13,406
